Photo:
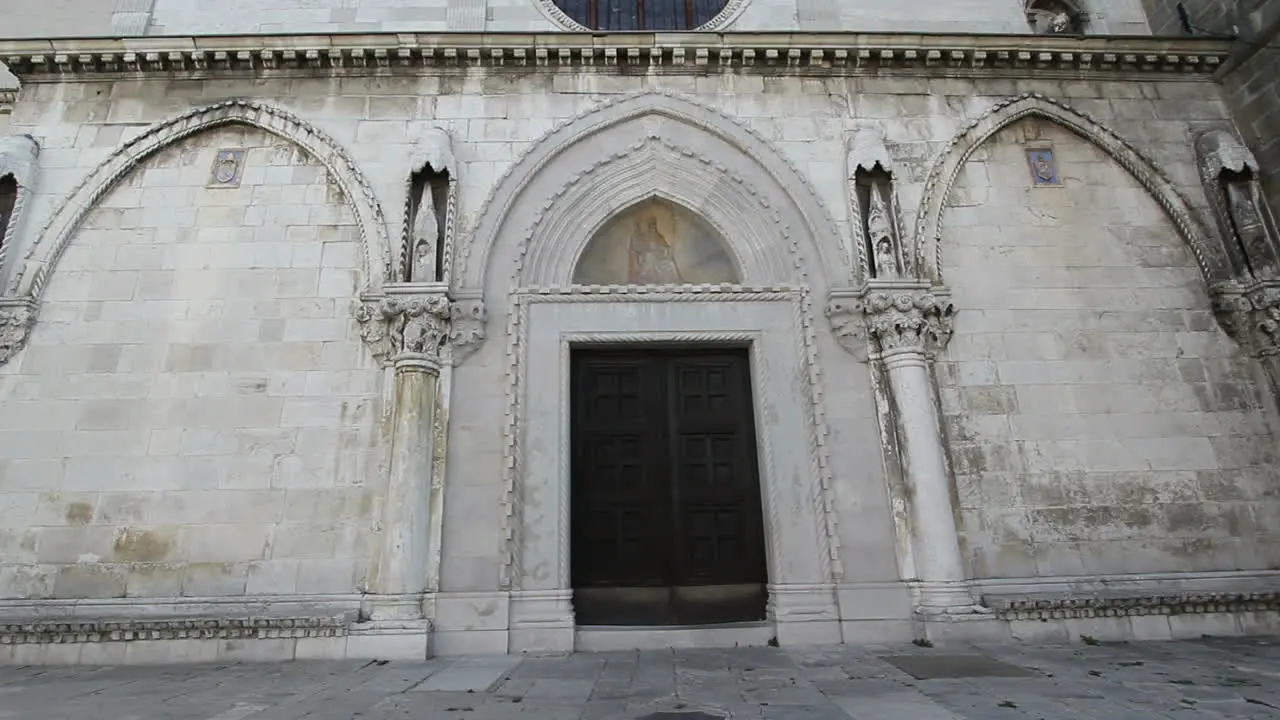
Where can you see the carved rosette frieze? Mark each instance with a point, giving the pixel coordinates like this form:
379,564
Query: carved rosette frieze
891,316
1250,314
17,317
425,324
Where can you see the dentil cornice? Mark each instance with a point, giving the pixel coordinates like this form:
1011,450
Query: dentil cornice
54,59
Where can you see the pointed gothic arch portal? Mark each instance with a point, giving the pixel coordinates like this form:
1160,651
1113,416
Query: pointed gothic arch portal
656,242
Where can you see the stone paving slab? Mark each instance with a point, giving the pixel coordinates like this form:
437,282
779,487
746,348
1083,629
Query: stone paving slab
1211,678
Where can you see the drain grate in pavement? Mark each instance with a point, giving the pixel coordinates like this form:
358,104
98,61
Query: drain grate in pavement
937,667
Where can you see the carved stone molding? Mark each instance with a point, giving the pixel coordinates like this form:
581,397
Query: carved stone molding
420,320
1230,175
187,628
405,322
1060,608
847,316
467,319
759,237
517,415
17,317
1250,314
1017,55
779,181
945,170
909,318
892,316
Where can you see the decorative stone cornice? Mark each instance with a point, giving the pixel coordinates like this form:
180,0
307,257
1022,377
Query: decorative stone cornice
17,317
127,630
1250,313
418,320
1061,608
58,58
895,315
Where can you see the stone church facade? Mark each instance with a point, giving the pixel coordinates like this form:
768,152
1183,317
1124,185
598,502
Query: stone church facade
451,327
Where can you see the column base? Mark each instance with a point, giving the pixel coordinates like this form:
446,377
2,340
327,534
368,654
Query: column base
390,640
392,608
945,598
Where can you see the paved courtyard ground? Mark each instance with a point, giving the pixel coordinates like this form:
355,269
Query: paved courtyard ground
1193,679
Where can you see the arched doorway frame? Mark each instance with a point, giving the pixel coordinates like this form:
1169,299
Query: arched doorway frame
522,256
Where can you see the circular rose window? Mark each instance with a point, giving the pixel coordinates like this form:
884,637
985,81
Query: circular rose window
641,15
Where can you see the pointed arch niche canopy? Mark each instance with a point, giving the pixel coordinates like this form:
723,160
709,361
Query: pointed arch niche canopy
705,167
942,177
656,242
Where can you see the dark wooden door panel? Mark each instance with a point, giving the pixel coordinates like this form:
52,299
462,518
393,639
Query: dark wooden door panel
666,521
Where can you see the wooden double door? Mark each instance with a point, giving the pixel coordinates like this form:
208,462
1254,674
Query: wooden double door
666,521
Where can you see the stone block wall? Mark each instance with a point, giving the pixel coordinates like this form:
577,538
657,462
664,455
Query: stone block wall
1101,422
195,414
227,333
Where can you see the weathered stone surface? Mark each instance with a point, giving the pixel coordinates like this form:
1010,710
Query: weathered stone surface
198,406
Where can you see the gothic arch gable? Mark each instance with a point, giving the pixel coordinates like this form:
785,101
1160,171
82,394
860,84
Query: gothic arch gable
942,177
62,225
635,121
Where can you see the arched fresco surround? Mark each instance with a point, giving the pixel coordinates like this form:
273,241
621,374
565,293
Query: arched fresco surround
622,152
53,238
942,177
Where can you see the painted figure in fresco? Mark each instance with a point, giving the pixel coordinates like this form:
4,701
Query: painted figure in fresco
652,260
1242,207
1042,167
426,235
880,232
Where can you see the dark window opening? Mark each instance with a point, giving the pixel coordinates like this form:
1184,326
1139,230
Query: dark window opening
642,15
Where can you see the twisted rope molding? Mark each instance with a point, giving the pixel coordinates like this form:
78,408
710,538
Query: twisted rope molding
62,225
727,14
676,106
821,492
942,176
512,451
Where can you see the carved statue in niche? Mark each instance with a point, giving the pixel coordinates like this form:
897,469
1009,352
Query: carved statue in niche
874,221
431,194
655,243
1230,175
1054,17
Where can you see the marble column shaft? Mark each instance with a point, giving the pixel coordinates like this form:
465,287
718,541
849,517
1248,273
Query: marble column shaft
401,574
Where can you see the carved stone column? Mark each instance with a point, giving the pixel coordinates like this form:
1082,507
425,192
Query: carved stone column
905,324
407,328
